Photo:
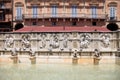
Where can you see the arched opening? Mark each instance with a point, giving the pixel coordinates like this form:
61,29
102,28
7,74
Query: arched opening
19,26
19,4
112,4
112,26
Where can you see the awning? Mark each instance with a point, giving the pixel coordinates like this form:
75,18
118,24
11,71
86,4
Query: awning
63,29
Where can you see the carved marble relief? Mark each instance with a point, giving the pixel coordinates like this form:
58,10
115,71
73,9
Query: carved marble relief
105,39
43,40
25,41
54,41
65,40
84,41
9,41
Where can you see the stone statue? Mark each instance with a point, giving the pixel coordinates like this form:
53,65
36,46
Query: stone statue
105,40
14,52
9,41
97,53
54,41
65,40
75,54
32,52
43,40
26,41
84,41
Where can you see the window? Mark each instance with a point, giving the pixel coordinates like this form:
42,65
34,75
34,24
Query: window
54,10
34,8
74,23
34,23
74,10
2,5
53,23
94,23
2,16
94,11
19,13
112,13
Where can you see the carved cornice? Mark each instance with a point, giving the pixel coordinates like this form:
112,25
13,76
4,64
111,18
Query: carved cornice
94,3
112,4
35,2
19,4
54,2
74,2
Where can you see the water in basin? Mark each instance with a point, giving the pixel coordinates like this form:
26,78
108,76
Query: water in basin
59,72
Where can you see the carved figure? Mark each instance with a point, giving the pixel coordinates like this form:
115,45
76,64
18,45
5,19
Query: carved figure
105,40
26,41
65,40
54,41
32,52
43,40
75,54
9,41
97,53
14,52
84,41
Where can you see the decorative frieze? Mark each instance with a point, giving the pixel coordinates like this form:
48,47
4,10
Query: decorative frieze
105,39
59,41
9,41
85,40
25,41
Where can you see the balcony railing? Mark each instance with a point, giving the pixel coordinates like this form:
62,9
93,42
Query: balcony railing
5,7
5,19
19,18
4,0
64,15
112,18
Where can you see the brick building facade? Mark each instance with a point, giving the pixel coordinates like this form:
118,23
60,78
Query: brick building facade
64,13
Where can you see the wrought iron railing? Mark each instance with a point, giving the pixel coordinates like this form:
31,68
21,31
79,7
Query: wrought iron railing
64,15
19,18
5,19
112,18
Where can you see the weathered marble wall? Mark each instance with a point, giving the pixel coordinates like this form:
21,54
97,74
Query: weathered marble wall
69,41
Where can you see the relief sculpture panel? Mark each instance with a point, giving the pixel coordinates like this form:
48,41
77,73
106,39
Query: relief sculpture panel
84,41
25,41
9,41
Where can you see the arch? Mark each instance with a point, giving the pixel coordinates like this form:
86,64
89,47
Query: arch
112,4
112,26
19,4
19,26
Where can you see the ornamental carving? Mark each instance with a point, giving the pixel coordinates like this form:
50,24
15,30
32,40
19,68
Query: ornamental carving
105,39
9,41
54,43
43,40
65,40
25,41
84,41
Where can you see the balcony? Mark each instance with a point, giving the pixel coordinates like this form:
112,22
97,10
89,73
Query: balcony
19,18
5,0
5,7
64,15
5,19
112,18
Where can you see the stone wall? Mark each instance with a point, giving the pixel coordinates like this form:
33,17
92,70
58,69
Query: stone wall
56,42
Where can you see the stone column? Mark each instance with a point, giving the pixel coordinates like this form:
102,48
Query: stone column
96,60
15,59
33,59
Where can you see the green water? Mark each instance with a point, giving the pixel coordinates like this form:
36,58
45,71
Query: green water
59,72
